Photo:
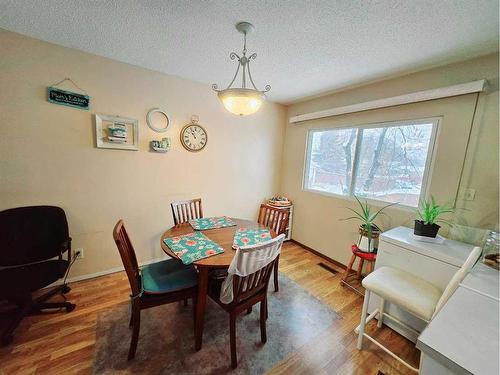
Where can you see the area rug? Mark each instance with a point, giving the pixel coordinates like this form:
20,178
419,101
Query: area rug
166,340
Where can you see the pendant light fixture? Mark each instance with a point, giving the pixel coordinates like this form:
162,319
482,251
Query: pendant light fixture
242,100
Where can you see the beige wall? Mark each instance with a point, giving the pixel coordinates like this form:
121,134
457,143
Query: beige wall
48,153
317,217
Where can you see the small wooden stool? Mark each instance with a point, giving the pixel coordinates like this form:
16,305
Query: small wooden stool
363,256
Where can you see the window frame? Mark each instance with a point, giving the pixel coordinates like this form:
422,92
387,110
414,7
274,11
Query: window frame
429,162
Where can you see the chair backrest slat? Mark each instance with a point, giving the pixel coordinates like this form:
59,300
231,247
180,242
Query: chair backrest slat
127,254
458,278
256,282
274,218
252,284
183,211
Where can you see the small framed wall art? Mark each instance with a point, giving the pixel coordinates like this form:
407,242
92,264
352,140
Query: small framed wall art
116,132
158,120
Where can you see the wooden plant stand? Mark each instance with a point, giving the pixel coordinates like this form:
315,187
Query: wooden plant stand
370,258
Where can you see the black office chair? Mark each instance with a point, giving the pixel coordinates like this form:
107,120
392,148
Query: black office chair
32,242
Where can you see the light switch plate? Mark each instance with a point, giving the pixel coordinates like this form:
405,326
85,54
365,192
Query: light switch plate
469,194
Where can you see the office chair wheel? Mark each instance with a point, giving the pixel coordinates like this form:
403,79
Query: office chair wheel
70,307
66,289
6,340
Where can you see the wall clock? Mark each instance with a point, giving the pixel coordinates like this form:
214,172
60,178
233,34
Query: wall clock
193,136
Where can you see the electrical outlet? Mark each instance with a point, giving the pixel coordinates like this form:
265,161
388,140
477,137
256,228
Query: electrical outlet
469,194
79,254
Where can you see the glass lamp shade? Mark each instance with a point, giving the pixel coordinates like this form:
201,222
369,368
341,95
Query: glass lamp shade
241,101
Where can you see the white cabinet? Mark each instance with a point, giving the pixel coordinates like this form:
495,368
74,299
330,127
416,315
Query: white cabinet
435,263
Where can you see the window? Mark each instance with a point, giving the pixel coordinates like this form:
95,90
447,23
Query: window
387,162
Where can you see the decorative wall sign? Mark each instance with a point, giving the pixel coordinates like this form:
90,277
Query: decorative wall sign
68,98
160,146
158,126
193,136
116,132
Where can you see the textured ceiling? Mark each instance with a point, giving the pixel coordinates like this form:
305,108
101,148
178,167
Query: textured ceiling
304,47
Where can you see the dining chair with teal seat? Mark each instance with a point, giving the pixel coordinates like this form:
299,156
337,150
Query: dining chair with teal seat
156,284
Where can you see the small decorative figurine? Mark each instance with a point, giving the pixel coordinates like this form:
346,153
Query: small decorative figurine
161,146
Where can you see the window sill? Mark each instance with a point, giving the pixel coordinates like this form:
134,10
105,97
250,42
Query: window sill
373,202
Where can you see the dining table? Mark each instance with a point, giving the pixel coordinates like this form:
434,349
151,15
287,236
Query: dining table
224,238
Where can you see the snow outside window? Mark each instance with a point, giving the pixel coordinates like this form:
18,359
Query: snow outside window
388,162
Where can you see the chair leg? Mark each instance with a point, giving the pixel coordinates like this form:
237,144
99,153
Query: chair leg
267,310
136,317
369,267
194,314
381,313
275,271
232,338
363,320
263,318
349,268
55,305
360,268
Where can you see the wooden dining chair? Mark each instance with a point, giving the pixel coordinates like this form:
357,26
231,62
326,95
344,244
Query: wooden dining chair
183,211
248,290
155,284
277,220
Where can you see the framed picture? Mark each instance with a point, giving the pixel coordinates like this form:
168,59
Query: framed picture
116,132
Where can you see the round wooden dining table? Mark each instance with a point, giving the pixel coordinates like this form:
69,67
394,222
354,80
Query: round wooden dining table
224,238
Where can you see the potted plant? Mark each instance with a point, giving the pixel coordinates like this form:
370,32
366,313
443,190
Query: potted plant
368,230
430,213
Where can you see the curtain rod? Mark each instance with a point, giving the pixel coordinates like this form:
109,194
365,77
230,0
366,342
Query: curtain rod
414,97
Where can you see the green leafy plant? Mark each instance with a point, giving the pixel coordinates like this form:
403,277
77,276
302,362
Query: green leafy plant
429,211
367,216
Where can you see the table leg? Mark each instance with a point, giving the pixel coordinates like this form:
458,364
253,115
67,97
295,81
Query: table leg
200,305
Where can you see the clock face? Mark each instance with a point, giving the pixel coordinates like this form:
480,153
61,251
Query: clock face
193,137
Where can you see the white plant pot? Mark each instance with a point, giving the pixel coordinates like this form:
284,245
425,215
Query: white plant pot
363,244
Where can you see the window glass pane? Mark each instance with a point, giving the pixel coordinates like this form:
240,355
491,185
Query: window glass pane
331,156
391,163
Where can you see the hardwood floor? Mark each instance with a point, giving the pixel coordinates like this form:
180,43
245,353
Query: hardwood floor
61,343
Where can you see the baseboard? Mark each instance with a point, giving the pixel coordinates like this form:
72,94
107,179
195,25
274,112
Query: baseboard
121,268
315,252
103,273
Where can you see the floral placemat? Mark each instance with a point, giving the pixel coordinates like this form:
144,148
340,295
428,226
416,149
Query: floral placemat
192,247
205,223
246,237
